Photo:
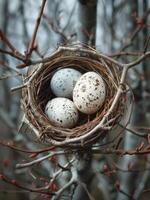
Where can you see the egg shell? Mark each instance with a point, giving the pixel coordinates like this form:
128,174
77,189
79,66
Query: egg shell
63,82
62,112
89,93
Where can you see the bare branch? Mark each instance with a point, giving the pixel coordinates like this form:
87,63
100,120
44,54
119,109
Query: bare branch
139,60
121,151
30,189
86,190
24,165
73,180
11,47
32,43
35,152
13,54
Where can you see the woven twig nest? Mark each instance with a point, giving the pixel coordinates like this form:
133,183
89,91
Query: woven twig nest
90,128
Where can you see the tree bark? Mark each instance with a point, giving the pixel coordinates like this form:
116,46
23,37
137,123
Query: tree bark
86,34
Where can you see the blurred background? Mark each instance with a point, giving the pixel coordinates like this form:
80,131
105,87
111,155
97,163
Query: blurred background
121,26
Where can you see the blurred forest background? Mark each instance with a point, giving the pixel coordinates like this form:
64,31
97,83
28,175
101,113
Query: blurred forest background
122,26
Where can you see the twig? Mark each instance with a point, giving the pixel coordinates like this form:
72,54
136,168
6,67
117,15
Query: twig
73,180
126,194
146,190
86,190
136,31
24,165
31,44
18,87
26,151
55,28
3,77
135,132
14,183
143,180
125,53
56,174
11,47
146,44
46,59
120,151
140,59
128,65
13,54
9,68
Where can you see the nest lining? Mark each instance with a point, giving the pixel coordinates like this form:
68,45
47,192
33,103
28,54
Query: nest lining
37,94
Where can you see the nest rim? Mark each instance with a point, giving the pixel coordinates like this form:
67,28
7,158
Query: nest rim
87,133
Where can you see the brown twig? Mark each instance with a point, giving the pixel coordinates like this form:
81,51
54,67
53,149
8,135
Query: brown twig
9,68
9,45
146,190
27,151
13,54
55,28
7,76
121,151
137,61
30,189
125,53
146,43
140,25
135,132
32,43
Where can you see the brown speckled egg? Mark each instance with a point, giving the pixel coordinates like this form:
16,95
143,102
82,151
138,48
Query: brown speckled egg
62,112
89,93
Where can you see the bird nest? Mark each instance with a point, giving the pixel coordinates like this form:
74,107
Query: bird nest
90,128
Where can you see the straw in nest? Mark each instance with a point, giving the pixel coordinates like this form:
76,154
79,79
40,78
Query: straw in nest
36,94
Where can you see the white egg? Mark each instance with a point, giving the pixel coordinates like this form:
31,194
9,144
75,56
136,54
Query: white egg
62,112
63,82
89,93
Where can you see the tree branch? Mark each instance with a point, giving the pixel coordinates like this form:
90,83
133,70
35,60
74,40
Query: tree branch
32,43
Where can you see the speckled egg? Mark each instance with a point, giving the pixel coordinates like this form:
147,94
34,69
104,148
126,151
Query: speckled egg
62,112
89,93
63,82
